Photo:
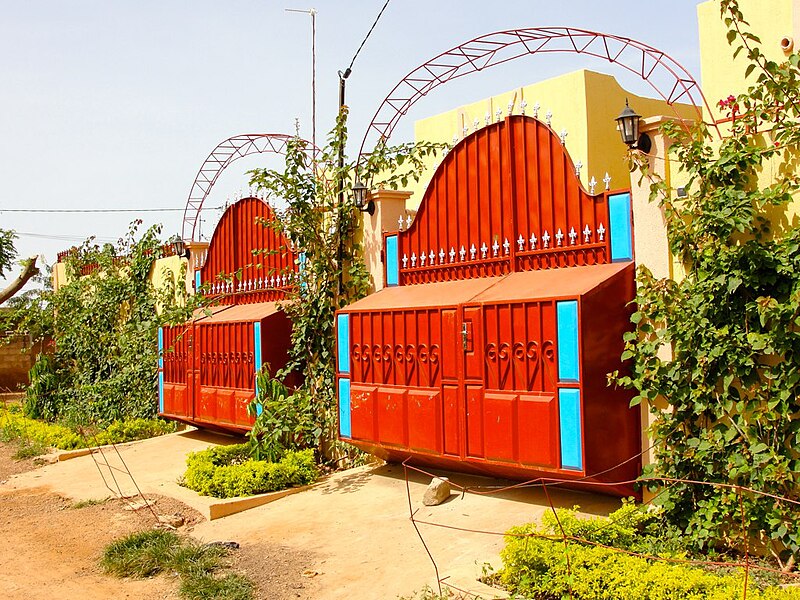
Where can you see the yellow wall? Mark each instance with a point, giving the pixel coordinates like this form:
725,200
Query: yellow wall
584,103
770,20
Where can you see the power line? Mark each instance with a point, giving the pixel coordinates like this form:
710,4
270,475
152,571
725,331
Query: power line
63,238
100,210
352,62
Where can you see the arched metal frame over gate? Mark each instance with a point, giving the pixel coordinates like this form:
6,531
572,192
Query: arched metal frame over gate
500,47
225,153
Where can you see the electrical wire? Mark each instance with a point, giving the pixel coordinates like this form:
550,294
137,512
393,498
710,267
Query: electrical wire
367,36
101,210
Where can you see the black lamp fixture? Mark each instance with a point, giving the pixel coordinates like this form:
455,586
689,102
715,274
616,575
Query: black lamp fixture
179,245
628,125
360,192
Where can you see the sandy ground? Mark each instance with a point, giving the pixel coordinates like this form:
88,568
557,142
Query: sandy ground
348,537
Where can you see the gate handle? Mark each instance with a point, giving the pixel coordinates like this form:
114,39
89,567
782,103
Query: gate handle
464,334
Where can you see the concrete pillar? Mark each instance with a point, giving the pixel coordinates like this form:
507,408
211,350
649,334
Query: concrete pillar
197,257
651,247
390,205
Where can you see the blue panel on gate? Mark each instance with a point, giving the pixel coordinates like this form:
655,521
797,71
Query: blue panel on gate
567,325
344,407
257,355
620,233
343,342
569,412
392,261
197,280
160,369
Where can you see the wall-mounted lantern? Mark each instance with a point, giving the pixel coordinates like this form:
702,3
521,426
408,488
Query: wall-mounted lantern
628,125
360,192
179,246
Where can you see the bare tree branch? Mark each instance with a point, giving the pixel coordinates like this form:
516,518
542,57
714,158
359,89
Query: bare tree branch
29,270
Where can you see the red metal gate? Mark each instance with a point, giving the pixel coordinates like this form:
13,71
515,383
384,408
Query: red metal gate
210,362
510,300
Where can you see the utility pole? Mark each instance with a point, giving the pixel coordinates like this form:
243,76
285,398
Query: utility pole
313,13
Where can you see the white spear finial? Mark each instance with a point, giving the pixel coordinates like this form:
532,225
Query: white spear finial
522,106
592,185
563,136
578,166
548,117
607,181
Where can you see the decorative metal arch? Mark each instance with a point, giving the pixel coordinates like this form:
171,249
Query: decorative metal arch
500,47
224,154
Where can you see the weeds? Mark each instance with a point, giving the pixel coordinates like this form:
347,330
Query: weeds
29,449
90,502
150,553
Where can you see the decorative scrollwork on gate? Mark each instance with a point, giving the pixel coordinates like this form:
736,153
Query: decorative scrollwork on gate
524,359
398,359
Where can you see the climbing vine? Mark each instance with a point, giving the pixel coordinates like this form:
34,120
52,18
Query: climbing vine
716,353
323,224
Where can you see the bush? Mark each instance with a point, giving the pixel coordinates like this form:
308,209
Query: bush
16,426
227,471
538,567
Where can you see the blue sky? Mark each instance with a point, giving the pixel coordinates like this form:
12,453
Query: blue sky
112,104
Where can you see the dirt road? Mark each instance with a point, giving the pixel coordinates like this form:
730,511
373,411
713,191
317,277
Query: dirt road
49,549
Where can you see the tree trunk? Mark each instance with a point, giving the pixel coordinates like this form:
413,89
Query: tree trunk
28,271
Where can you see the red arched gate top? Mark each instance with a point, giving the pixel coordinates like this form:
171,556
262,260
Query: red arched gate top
248,260
208,365
505,306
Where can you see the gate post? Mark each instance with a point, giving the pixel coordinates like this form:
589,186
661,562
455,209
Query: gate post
390,205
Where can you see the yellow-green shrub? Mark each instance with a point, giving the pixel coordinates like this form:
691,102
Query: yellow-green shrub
227,471
536,567
14,425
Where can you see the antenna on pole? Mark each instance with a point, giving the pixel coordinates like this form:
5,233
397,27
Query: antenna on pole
313,13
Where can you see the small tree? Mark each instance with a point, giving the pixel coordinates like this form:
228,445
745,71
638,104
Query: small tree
726,404
323,223
104,324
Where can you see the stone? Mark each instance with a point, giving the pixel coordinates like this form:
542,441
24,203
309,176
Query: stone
172,520
438,491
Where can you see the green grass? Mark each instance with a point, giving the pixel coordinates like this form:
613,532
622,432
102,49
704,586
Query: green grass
89,502
207,587
29,449
150,553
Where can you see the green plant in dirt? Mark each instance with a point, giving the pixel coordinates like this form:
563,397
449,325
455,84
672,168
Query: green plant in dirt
571,556
322,221
29,449
228,471
90,502
231,586
104,324
149,553
725,402
284,420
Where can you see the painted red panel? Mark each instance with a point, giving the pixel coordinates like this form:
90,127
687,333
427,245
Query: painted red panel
499,425
241,400
392,416
450,416
537,429
362,411
474,394
425,420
